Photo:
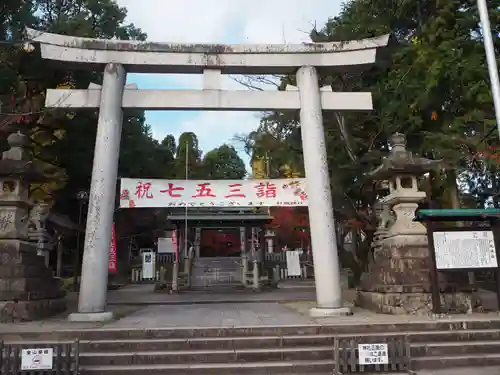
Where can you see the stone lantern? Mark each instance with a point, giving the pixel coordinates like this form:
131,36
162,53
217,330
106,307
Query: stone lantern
28,289
398,280
401,169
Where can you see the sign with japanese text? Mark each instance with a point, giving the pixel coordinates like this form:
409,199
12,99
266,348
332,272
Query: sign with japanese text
37,359
465,249
212,193
112,251
373,354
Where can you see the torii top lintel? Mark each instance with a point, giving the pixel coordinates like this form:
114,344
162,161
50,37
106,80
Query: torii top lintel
150,57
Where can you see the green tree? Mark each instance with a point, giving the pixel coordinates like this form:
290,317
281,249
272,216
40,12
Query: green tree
223,162
431,83
188,148
60,139
169,144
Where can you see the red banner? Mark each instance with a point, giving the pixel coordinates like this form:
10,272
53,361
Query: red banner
112,251
173,237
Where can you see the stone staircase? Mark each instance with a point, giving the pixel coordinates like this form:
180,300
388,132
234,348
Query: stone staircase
264,350
217,271
478,346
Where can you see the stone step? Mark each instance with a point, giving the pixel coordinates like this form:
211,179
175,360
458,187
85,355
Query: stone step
248,368
437,349
454,336
465,360
417,332
206,356
211,343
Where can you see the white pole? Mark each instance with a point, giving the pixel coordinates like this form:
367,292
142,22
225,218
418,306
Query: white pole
267,176
267,166
490,58
186,211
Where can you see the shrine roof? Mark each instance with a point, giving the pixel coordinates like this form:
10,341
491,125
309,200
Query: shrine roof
64,222
464,214
218,214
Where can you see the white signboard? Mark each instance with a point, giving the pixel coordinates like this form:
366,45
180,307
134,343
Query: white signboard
148,264
465,249
373,354
36,359
293,263
212,193
166,245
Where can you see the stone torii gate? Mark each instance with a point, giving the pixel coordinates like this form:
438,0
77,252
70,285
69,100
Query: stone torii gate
116,58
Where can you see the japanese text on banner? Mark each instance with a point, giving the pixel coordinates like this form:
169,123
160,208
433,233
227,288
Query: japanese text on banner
212,193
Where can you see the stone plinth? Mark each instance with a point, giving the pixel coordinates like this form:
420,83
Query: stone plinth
28,290
399,280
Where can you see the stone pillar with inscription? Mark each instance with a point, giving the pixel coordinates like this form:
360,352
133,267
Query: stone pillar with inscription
398,280
28,289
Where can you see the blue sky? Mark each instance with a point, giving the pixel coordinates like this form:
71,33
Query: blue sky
218,21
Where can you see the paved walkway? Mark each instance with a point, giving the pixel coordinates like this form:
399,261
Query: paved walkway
219,315
225,315
137,306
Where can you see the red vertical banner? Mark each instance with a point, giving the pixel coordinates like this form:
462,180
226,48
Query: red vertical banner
112,251
173,237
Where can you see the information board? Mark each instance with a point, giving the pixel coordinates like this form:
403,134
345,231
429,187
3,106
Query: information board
166,245
465,249
373,354
36,359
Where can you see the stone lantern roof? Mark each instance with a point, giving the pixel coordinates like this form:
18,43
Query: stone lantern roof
402,162
16,161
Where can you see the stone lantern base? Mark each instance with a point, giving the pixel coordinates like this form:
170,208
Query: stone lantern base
28,290
398,281
413,303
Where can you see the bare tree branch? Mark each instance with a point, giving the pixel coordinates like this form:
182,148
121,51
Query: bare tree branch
256,82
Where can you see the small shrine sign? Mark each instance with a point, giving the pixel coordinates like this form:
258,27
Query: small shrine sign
465,249
37,359
143,193
373,354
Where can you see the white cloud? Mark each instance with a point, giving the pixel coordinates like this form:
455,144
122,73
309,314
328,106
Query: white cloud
225,21
205,21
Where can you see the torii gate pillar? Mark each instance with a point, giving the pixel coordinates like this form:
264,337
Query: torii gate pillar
323,234
92,298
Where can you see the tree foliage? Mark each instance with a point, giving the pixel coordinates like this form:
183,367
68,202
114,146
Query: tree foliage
65,141
223,163
431,83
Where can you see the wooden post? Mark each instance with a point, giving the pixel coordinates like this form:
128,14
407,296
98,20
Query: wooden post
495,227
434,274
59,256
